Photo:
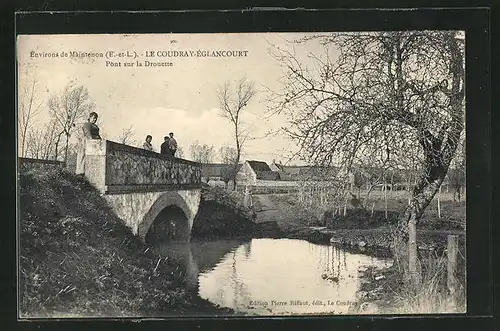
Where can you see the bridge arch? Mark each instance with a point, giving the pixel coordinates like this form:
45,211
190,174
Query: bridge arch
168,200
139,184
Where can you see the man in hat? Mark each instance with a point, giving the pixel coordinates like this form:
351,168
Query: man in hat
164,149
172,144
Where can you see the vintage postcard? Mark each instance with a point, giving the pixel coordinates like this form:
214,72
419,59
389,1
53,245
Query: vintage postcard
241,174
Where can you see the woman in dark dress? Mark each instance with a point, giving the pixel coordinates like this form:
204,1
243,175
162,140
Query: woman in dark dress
89,131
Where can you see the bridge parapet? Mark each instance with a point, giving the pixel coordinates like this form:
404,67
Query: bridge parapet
118,168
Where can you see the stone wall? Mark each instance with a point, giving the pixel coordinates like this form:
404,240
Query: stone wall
114,167
126,165
138,184
138,210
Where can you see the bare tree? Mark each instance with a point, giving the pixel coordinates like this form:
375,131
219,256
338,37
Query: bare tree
179,152
232,101
72,104
229,157
202,153
40,143
126,137
380,90
29,106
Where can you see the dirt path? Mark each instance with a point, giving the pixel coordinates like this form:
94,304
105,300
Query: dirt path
268,210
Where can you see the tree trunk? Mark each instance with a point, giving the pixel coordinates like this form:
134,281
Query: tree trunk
23,137
385,199
408,190
439,202
392,181
66,149
56,152
235,170
423,193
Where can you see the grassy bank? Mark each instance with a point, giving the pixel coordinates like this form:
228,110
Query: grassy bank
78,259
389,292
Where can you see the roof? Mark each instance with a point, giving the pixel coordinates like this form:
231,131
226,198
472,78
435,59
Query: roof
259,166
294,169
276,167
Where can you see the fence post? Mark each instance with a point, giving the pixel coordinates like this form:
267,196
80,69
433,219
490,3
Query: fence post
412,252
345,205
452,254
439,202
246,197
385,199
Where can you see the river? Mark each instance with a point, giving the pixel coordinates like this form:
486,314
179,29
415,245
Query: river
273,276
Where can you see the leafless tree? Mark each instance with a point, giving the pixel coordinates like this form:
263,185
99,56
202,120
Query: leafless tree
232,101
202,153
29,106
40,143
69,106
126,136
180,152
228,156
380,91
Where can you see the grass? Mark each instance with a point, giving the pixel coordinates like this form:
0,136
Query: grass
431,295
78,259
395,293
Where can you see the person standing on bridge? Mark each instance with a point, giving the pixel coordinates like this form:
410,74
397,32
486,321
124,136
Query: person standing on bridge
147,144
164,148
90,130
172,144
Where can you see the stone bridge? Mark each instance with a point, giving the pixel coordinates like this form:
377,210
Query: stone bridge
155,195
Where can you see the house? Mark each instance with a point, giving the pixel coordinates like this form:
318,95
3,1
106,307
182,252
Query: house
251,171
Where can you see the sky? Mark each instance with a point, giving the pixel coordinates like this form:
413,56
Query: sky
180,98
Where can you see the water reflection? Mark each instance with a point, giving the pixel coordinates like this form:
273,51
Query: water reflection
274,276
198,256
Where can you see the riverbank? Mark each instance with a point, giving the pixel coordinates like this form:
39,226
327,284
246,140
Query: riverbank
355,230
385,291
382,291
77,259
